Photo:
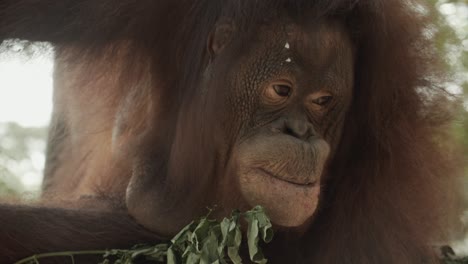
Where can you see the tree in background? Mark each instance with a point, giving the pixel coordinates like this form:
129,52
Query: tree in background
451,35
21,158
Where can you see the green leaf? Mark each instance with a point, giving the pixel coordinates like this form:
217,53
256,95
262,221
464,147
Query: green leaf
225,224
259,226
231,237
209,254
252,241
266,228
201,232
142,251
192,258
233,248
184,234
157,253
171,256
190,249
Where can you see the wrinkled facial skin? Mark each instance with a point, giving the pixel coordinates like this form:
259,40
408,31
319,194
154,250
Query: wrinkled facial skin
291,93
275,106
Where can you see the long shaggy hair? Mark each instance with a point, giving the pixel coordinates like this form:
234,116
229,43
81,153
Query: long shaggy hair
389,193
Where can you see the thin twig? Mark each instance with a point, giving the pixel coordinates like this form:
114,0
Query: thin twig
60,254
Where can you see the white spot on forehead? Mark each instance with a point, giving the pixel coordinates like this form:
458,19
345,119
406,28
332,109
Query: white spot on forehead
286,46
288,60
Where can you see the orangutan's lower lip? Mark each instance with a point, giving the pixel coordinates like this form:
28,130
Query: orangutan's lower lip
296,183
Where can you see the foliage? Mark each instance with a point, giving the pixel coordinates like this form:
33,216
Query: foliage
19,147
206,241
451,39
456,261
450,34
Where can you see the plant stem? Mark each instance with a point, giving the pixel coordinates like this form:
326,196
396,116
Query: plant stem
60,254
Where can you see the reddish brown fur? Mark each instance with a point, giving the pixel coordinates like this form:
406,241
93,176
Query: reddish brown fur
46,228
389,192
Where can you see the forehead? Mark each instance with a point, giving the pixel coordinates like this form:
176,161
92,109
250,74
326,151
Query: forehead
317,43
318,53
316,46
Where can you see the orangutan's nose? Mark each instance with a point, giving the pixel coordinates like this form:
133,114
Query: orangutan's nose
301,129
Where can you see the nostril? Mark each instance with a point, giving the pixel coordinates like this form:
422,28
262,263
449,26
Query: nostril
289,131
299,129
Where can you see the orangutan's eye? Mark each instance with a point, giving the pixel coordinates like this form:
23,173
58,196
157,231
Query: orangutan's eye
282,90
277,93
320,100
323,100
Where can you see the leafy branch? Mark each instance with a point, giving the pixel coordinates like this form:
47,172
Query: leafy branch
455,260
201,242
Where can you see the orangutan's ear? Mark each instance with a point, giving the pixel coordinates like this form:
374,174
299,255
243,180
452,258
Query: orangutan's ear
220,36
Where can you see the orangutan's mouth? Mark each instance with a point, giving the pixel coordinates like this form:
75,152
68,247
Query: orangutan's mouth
303,183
